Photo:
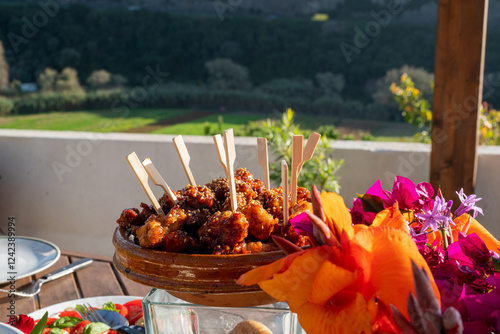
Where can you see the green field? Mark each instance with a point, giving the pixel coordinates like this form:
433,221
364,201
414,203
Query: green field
156,121
197,127
93,121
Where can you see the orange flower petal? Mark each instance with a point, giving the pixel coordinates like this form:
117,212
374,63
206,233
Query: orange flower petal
331,279
475,227
352,318
338,217
294,284
260,274
391,217
385,254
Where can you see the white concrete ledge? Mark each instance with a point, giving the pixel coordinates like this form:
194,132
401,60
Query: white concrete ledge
70,187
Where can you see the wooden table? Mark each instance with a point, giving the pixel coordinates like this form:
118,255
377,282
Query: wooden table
100,279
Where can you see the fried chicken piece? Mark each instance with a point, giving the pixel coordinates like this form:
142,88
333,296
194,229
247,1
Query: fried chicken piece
220,188
176,242
300,207
303,194
147,211
261,223
289,233
245,176
196,197
129,217
259,247
174,220
166,203
151,234
272,201
224,229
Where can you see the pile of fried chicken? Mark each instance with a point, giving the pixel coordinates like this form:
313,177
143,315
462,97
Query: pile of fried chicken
202,221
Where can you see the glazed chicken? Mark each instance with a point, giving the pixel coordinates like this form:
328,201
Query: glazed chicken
202,221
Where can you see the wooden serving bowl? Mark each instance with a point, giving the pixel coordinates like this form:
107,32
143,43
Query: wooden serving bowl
199,279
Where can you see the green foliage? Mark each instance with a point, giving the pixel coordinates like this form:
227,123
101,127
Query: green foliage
416,111
489,126
50,101
330,84
99,79
4,70
329,130
66,81
319,171
6,106
226,74
413,106
289,88
421,77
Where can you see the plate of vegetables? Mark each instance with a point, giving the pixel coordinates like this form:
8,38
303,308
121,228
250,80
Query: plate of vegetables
64,319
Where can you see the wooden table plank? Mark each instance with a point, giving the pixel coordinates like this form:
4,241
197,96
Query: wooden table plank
62,289
97,280
21,305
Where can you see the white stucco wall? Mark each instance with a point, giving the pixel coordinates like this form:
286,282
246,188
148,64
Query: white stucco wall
70,187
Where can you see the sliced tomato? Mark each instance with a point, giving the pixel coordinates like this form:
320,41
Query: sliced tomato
134,310
73,314
122,309
50,321
110,331
78,328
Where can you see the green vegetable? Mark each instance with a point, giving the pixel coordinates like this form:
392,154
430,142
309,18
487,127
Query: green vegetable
40,326
65,322
95,328
110,306
57,331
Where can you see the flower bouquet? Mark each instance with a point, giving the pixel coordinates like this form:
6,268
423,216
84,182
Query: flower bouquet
397,261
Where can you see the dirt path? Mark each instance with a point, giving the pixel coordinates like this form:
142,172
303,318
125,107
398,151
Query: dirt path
189,116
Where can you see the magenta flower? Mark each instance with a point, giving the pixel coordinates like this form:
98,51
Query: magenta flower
302,224
404,192
468,203
359,216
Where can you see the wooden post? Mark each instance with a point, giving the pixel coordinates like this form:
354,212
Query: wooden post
459,65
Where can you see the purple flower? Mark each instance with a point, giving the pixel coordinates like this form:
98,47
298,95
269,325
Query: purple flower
468,203
437,218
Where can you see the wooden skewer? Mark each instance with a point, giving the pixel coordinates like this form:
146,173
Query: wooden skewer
142,176
221,152
230,157
185,158
284,187
158,180
309,149
297,146
263,159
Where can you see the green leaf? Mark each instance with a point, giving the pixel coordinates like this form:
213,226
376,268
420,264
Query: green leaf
110,306
40,326
496,262
65,322
95,328
371,203
57,331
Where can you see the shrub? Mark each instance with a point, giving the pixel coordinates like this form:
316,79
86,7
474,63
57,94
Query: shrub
6,106
319,171
226,74
50,101
330,84
66,81
423,79
330,131
99,79
293,88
